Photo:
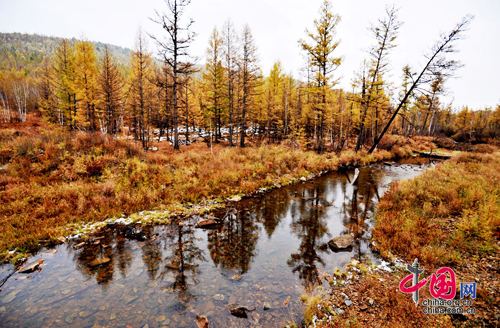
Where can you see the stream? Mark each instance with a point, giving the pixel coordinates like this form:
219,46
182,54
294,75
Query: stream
267,250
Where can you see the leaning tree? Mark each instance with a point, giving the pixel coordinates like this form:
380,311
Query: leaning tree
437,65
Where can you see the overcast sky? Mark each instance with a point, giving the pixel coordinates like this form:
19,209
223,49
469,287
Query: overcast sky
277,25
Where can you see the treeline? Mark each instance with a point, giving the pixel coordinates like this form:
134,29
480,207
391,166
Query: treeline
230,99
25,52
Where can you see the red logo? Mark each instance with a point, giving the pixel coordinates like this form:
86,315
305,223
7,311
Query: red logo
441,286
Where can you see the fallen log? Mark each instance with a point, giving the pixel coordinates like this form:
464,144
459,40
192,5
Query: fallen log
431,155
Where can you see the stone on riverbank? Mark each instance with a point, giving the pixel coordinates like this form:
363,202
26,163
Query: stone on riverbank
341,243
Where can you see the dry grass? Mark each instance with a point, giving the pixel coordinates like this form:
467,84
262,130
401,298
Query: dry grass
446,211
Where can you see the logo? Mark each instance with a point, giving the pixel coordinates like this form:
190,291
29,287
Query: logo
442,287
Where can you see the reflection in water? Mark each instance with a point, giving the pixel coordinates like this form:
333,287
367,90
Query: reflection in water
151,253
113,249
101,254
271,209
361,206
182,261
162,276
232,245
309,223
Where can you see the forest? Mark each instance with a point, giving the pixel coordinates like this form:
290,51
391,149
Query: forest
159,92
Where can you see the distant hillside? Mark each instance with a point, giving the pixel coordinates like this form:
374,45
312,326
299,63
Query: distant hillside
26,51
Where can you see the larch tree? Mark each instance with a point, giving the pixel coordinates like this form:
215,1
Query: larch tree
197,108
433,102
249,73
406,124
273,88
214,83
230,51
64,69
142,100
174,48
385,34
320,52
437,63
288,87
86,73
188,113
47,100
109,94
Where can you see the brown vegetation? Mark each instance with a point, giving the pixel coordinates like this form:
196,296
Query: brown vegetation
446,211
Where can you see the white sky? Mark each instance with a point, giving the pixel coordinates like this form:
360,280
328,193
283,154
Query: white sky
277,25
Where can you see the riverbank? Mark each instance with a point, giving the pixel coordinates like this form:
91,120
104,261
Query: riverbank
447,217
53,182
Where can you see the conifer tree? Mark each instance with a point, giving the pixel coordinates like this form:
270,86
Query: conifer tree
109,94
288,88
214,83
385,33
321,55
141,98
229,39
173,49
274,84
64,69
86,83
248,78
433,102
436,63
47,101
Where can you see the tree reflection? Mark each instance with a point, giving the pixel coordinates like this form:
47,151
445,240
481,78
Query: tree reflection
308,220
151,252
232,245
182,261
272,208
101,254
361,205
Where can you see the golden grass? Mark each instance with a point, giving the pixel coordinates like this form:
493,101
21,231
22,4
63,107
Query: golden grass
446,211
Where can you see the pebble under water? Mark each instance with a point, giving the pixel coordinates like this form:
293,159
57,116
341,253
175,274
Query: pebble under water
267,250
